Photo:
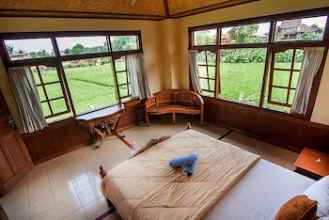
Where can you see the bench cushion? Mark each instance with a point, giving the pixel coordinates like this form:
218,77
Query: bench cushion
169,108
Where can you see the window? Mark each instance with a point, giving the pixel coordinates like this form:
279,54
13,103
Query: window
75,74
29,48
123,78
205,37
283,80
124,43
82,45
252,33
91,83
241,74
206,61
305,29
258,62
50,90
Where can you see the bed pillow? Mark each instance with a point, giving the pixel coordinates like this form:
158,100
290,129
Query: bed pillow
298,208
319,191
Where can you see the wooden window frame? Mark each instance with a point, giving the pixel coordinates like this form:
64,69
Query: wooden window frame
208,78
58,58
291,71
48,100
271,46
116,72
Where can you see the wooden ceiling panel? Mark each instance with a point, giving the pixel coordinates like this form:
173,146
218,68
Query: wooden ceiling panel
182,7
125,9
141,7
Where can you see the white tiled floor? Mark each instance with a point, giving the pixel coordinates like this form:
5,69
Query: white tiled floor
67,187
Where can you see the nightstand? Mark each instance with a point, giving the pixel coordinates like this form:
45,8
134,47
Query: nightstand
312,163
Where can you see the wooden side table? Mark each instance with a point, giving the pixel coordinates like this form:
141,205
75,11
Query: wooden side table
312,163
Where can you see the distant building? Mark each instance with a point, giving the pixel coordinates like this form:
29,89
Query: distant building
291,29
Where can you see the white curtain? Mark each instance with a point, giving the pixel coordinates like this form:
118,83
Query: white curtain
194,72
312,60
138,80
27,99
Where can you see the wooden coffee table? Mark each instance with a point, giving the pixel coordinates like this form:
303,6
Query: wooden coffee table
312,163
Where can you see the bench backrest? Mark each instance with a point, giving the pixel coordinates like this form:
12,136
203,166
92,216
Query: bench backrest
175,96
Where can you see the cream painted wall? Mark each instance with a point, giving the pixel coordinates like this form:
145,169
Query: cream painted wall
254,9
150,37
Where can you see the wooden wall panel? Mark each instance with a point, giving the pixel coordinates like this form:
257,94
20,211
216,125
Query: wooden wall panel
269,126
65,136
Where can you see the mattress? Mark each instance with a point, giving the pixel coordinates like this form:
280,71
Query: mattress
146,187
260,193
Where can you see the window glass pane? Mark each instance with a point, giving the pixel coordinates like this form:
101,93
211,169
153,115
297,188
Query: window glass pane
54,90
91,83
283,59
252,33
279,95
202,71
123,90
48,74
29,48
281,78
294,80
58,106
205,37
120,64
211,85
35,74
123,43
308,29
292,96
41,93
299,59
82,45
45,109
204,84
212,72
122,77
241,74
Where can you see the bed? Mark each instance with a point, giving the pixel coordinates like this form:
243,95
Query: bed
229,183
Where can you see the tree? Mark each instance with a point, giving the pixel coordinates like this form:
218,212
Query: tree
242,34
77,49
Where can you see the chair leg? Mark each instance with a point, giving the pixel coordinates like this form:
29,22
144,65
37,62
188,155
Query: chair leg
174,117
201,119
147,119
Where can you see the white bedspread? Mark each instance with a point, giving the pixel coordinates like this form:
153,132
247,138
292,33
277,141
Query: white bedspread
260,193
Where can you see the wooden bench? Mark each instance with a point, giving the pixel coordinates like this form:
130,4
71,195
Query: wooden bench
173,101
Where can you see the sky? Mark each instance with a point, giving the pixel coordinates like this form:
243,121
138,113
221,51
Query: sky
31,45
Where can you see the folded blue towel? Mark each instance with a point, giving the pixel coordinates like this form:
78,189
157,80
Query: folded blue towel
186,162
